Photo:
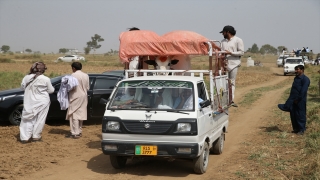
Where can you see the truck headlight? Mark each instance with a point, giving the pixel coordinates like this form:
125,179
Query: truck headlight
113,125
183,127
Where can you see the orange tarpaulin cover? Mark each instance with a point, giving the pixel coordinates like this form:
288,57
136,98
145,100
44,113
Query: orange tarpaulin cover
148,43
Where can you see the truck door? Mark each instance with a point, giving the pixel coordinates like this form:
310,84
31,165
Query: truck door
102,88
206,123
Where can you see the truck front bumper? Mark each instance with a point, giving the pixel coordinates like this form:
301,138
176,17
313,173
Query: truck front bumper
176,150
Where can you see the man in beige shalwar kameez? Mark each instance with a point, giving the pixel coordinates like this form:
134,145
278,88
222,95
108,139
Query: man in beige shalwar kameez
78,100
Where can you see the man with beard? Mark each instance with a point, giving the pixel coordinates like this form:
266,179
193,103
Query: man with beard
37,88
78,100
296,104
234,48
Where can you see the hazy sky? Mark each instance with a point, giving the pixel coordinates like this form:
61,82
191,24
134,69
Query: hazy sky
48,25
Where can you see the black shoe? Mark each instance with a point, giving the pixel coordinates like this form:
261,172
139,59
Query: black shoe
24,142
294,131
37,139
300,133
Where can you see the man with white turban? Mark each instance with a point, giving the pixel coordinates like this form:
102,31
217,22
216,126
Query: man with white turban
36,103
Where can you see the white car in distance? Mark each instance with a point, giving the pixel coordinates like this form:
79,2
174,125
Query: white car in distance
290,64
280,60
71,58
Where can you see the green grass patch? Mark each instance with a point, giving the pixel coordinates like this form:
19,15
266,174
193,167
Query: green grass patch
10,80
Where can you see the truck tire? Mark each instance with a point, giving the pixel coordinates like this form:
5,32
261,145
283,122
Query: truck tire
217,145
284,74
15,115
201,162
118,162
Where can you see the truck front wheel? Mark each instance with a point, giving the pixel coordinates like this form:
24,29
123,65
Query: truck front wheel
217,146
201,162
118,162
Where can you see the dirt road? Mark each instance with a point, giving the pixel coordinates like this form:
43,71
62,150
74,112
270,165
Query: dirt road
61,158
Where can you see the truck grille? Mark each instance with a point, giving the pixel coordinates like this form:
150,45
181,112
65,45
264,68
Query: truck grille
147,128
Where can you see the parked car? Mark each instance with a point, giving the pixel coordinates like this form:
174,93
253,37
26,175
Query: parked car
115,72
290,63
101,86
71,58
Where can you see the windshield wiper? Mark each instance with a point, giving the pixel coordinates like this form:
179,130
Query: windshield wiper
140,106
177,111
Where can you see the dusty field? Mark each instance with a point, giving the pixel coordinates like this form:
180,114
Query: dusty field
60,158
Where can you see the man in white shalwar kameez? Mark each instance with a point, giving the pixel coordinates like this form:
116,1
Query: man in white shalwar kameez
36,103
78,101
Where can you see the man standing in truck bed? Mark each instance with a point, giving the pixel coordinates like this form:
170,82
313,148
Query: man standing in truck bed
234,48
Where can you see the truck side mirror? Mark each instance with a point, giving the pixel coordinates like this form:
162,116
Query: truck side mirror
204,103
103,101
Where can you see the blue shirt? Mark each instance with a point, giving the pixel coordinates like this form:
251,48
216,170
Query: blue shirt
299,88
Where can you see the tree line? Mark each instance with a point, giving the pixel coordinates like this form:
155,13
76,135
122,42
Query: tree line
266,49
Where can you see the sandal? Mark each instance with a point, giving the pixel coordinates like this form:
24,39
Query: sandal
73,136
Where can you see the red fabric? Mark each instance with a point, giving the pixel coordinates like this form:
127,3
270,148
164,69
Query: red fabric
148,43
187,42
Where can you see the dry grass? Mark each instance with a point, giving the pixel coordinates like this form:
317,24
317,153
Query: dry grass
100,63
279,154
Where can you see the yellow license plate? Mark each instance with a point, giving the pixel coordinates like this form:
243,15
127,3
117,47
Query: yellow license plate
146,150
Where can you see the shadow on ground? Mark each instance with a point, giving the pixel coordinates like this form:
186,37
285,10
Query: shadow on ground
143,167
271,129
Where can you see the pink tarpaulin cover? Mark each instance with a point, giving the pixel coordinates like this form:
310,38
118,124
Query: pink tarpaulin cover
143,43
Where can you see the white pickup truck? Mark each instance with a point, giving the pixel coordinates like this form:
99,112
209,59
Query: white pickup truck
167,113
134,125
290,63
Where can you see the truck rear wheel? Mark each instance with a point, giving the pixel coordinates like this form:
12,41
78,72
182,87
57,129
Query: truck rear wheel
217,146
118,162
201,162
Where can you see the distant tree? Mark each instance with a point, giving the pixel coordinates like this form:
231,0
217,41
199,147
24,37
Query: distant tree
255,48
5,48
28,51
268,49
63,50
87,50
93,44
280,49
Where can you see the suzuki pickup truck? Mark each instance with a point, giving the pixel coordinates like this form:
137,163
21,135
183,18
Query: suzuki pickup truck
165,113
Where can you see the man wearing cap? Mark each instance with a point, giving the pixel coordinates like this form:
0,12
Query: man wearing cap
234,48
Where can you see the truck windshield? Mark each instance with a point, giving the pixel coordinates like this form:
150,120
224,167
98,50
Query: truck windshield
294,61
153,95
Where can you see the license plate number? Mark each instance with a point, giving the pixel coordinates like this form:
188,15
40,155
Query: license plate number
146,150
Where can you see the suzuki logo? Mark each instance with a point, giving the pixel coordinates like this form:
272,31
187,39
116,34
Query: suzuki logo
147,126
